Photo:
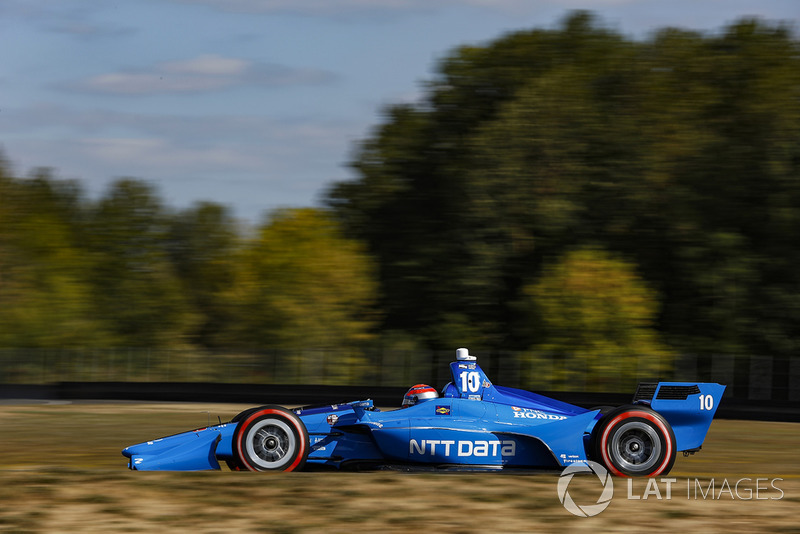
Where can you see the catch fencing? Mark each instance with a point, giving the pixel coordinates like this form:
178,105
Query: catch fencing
747,377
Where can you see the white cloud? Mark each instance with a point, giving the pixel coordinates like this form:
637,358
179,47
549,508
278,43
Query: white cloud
132,83
240,130
76,18
250,161
311,7
201,74
338,8
121,150
208,65
164,155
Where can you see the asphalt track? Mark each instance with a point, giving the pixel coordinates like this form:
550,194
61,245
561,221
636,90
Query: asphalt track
99,430
61,471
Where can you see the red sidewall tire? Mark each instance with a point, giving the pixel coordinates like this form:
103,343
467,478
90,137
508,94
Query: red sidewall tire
623,419
234,464
241,415
288,425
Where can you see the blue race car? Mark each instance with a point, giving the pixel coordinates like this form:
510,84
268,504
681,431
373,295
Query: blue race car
474,424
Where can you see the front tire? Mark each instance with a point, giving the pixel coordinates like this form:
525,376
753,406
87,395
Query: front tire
270,438
635,441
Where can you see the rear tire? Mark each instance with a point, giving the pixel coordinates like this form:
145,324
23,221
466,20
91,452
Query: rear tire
269,438
635,441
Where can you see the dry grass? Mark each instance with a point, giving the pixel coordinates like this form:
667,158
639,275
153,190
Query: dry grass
62,472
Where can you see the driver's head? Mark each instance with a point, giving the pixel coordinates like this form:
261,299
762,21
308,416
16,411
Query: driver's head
419,393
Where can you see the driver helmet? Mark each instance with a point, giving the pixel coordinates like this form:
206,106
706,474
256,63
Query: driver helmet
419,393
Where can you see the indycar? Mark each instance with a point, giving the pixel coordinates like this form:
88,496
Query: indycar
474,424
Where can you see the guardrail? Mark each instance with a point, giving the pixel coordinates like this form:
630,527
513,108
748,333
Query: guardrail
297,395
747,377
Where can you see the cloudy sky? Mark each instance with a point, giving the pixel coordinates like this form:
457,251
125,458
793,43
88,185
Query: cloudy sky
252,103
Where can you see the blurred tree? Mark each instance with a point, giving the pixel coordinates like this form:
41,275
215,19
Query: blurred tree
202,244
301,284
435,231
45,298
596,320
681,153
135,287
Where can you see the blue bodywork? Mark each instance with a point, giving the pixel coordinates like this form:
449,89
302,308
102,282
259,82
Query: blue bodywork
474,423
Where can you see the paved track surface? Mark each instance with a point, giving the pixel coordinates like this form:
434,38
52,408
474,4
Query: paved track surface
61,471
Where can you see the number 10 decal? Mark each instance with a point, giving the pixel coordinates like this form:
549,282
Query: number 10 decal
470,381
706,402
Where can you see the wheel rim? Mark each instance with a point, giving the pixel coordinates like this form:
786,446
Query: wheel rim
635,447
270,444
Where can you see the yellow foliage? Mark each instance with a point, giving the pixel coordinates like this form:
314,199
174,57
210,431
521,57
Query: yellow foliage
301,284
596,319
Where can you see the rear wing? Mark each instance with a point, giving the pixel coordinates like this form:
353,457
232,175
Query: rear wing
689,407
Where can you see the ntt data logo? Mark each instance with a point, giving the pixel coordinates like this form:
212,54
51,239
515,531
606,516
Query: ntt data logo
590,509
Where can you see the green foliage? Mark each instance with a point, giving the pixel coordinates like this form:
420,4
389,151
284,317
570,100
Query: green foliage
44,290
299,283
301,287
680,153
202,242
493,214
136,290
126,272
596,319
